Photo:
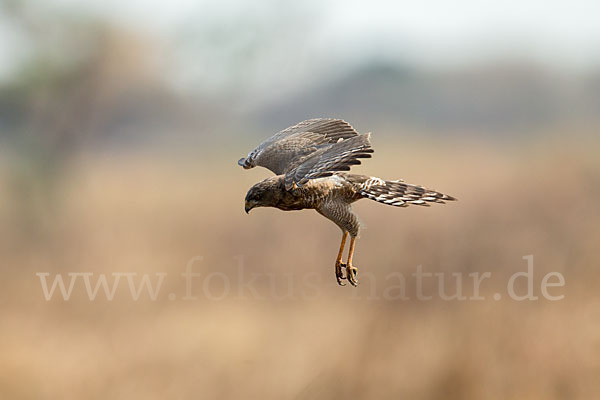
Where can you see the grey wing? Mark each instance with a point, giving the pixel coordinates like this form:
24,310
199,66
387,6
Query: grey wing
292,144
340,156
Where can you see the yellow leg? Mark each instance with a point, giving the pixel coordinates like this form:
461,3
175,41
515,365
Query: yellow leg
338,262
351,270
342,245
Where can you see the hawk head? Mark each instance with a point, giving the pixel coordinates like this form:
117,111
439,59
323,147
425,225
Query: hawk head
263,194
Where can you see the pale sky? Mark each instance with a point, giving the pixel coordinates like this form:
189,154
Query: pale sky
294,39
562,32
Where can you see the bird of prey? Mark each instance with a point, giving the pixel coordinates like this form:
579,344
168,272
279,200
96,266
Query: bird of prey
309,160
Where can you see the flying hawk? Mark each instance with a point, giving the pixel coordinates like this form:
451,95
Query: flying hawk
308,160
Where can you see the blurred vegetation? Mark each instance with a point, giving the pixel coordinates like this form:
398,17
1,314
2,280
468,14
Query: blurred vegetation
299,338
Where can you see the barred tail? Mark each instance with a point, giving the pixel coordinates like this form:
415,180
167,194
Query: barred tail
400,194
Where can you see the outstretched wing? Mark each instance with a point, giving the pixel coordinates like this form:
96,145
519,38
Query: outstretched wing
340,156
286,148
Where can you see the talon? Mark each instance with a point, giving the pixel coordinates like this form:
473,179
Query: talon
351,273
339,274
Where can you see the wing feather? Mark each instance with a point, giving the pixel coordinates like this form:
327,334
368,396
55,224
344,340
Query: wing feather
339,156
286,148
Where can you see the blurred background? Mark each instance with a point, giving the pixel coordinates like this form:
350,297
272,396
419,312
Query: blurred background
120,126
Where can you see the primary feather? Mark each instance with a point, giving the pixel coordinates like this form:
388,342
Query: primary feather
285,149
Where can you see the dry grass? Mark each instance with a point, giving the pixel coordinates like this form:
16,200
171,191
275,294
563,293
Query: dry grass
150,214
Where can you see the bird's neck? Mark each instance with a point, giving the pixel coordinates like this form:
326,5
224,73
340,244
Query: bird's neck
287,199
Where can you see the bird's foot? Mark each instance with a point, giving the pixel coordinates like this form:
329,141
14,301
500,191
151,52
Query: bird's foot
339,275
351,272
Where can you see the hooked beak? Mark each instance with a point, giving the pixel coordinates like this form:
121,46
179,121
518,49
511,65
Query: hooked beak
248,207
243,162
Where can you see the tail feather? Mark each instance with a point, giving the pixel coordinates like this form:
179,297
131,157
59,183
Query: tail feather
400,194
